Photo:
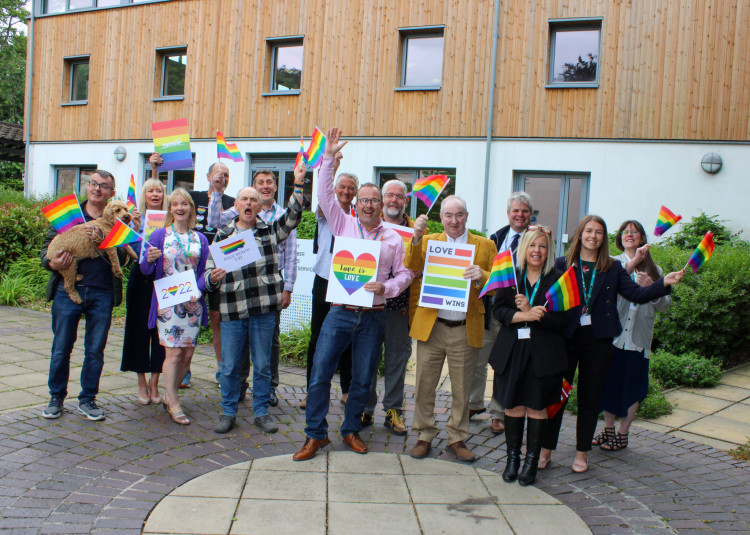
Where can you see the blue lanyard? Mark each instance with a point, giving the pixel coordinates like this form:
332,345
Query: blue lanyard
533,293
586,292
187,252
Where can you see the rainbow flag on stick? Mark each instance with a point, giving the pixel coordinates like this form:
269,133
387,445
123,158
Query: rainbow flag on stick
564,294
301,156
702,252
429,189
227,150
130,200
665,221
65,213
172,141
121,234
553,409
503,273
314,153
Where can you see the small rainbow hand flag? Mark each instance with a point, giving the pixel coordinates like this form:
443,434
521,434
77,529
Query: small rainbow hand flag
564,294
227,150
503,273
429,188
665,221
65,213
702,252
314,154
130,201
301,156
121,234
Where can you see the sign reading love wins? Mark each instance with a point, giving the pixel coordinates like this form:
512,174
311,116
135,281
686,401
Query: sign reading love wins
355,262
176,289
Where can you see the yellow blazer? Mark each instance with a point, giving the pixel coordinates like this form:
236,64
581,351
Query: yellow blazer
424,319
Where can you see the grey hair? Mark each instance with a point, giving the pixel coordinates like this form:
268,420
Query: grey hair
351,176
106,175
370,185
522,197
394,181
454,198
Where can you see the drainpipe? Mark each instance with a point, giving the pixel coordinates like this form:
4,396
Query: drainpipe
29,85
490,113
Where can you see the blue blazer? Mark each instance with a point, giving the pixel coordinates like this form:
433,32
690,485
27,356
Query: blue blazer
605,320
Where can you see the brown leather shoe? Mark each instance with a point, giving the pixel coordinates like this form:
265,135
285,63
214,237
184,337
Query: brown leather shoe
355,443
474,412
421,449
461,452
310,448
497,426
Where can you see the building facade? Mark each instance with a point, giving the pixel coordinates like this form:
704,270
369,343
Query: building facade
603,106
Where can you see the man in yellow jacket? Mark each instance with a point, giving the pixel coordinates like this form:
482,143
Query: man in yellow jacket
442,334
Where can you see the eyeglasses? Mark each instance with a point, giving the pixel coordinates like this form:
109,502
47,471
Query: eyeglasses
395,196
100,185
373,202
630,232
540,228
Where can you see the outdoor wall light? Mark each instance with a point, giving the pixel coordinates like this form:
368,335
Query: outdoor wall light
711,162
121,154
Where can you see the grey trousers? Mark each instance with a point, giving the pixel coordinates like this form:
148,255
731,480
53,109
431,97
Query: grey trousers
479,381
397,353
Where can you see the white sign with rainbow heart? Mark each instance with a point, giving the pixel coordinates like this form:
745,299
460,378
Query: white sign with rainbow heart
176,289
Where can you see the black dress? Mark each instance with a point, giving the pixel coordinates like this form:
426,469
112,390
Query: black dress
528,371
141,350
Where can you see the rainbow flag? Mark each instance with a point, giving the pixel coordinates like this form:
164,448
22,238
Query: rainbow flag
702,252
314,153
65,213
301,157
665,221
172,141
227,150
121,234
231,247
503,273
553,409
429,188
406,233
564,294
131,202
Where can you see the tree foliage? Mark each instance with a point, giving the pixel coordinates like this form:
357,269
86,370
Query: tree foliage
12,60
584,70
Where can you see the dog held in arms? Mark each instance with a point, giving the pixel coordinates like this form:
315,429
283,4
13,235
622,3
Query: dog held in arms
80,246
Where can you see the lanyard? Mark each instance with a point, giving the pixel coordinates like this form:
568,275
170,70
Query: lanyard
271,219
526,288
587,292
362,234
176,237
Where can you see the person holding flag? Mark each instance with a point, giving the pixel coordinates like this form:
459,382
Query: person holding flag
593,326
529,354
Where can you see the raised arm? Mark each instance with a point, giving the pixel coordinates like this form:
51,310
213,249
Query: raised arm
326,196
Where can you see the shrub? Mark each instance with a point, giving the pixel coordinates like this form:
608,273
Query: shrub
14,291
687,369
24,228
306,228
690,234
293,350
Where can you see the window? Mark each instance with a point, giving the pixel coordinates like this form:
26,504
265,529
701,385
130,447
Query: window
76,80
72,179
560,201
285,57
61,6
574,53
177,178
408,176
421,52
282,166
171,65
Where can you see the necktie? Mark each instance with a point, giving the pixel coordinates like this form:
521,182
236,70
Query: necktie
214,210
514,243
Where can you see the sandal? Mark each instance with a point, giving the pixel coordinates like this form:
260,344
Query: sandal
604,437
619,442
580,465
544,461
178,415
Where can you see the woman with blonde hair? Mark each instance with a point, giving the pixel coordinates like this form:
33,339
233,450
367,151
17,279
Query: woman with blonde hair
141,351
529,354
180,248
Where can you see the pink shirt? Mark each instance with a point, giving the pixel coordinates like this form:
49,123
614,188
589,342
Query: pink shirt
342,224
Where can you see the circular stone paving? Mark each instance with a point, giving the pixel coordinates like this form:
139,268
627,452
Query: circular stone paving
343,493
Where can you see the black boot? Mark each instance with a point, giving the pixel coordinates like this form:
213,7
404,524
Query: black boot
534,435
513,439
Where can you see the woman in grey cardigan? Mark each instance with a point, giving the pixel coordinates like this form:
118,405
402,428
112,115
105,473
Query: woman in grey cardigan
627,381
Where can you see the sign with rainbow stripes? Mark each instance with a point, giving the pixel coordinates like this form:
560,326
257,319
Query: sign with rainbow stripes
237,251
355,263
65,213
443,283
172,142
406,233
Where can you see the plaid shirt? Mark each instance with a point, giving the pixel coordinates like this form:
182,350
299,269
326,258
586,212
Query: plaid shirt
287,248
256,288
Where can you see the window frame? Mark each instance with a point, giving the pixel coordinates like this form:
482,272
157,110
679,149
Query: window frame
69,63
79,169
169,186
160,70
272,46
42,7
419,32
416,173
557,25
280,164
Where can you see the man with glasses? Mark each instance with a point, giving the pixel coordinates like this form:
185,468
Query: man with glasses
361,326
519,210
448,334
100,291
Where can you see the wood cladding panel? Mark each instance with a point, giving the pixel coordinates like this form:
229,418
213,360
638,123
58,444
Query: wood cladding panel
669,69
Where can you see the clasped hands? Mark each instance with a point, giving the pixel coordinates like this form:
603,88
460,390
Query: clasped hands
526,311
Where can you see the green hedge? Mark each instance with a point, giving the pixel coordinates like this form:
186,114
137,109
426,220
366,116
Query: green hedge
23,226
688,369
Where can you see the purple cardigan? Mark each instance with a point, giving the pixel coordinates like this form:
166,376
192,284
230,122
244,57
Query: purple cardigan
157,240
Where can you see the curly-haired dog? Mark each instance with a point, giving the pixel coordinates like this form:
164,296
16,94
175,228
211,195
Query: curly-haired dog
76,242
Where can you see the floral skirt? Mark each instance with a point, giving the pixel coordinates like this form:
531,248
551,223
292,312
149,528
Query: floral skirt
178,326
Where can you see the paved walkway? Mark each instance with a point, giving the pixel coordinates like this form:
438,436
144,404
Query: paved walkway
75,476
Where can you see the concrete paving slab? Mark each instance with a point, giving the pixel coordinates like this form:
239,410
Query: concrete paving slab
305,486
26,380
730,393
371,519
512,493
680,417
347,461
217,484
319,463
279,517
742,370
182,514
736,413
439,519
696,402
739,380
11,399
240,466
447,489
543,520
367,488
724,429
435,467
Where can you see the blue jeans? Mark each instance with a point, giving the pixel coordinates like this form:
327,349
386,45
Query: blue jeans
364,330
259,331
97,306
